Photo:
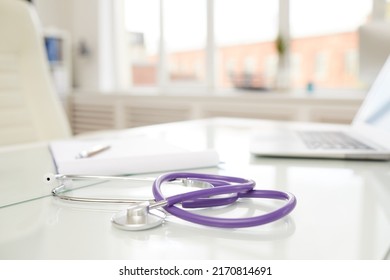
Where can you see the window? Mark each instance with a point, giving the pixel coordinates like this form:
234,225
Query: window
143,41
325,37
244,33
227,44
351,63
321,67
295,66
185,40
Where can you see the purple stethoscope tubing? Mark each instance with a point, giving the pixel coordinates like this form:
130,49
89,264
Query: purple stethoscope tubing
240,188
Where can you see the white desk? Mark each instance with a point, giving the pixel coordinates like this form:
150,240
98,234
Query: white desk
343,209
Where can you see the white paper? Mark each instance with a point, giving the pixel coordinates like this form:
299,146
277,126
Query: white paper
128,156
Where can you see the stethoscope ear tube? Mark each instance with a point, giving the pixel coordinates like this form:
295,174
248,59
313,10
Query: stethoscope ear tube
243,188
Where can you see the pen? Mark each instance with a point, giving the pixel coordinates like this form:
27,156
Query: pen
92,151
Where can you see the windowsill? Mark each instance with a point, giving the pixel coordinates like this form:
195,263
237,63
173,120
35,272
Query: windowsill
353,94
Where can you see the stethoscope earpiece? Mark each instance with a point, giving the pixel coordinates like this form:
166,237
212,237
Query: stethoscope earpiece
50,179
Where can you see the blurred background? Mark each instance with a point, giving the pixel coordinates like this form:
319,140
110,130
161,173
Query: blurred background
331,49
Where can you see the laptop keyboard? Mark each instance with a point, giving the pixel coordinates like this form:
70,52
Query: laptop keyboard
331,140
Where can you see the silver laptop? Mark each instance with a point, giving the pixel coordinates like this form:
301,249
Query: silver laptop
368,137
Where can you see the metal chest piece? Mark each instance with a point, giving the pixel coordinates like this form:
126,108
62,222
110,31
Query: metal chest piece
138,217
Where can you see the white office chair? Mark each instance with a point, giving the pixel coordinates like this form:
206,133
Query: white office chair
30,109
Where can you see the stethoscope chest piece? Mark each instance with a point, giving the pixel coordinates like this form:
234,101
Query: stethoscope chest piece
138,217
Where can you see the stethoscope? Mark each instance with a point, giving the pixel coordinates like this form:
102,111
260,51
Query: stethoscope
214,191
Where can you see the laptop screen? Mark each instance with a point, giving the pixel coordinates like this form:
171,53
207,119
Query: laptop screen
375,110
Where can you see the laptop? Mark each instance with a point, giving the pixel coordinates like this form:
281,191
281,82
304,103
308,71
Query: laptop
367,138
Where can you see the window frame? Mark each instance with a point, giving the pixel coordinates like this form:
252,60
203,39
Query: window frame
163,81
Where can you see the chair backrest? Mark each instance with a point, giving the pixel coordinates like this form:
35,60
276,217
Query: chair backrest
30,109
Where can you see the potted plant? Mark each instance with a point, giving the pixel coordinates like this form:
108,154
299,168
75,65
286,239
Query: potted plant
282,79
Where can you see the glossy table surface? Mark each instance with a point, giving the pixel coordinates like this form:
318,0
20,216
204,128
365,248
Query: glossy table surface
343,209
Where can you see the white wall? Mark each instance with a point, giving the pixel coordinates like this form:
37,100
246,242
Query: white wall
55,13
85,31
89,22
